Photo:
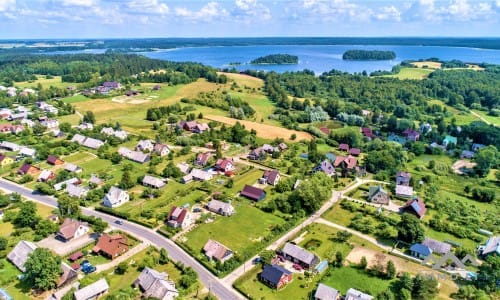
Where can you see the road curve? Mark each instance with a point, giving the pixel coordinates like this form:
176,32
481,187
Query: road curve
214,284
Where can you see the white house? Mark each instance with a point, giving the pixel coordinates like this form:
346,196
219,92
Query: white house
72,229
115,197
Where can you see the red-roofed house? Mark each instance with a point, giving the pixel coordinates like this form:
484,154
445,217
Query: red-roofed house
28,169
54,160
202,159
224,165
325,130
253,193
416,207
179,217
367,132
111,245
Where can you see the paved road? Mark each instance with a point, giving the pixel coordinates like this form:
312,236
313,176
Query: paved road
221,290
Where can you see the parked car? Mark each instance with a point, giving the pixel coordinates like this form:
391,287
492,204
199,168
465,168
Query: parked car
87,267
297,267
257,260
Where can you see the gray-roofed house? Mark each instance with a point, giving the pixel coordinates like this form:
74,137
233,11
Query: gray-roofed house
92,291
145,145
299,255
156,285
76,191
220,207
136,156
216,251
353,294
377,194
467,154
60,185
492,246
276,276
161,149
72,168
324,292
115,197
10,146
183,167
420,251
437,246
476,147
19,255
153,182
403,178
404,191
94,179
78,138
87,141
27,152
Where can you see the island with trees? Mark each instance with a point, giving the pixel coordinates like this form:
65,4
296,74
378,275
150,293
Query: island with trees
276,59
368,55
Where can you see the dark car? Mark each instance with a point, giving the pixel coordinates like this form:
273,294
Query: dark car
119,222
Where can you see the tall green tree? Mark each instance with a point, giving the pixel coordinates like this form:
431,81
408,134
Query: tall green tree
43,269
68,207
410,229
27,217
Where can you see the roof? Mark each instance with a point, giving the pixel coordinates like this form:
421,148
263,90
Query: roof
69,228
71,181
350,161
202,158
27,151
410,133
136,156
113,194
252,192
220,206
45,175
353,294
492,245
25,168
52,159
71,167
450,139
421,249
94,179
324,292
92,290
75,256
19,255
299,253
437,246
223,163
153,181
326,167
403,174
216,250
200,174
344,147
183,167
416,205
375,190
69,274
160,147
155,284
111,244
404,190
271,175
355,151
274,273
177,215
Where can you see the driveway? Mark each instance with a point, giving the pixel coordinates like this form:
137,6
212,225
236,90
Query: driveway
66,248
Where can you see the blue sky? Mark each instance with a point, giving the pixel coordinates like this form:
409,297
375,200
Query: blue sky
240,18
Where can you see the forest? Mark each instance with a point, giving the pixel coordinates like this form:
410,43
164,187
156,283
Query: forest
368,55
276,59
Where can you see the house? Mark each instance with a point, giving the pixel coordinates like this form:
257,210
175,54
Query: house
200,128
50,123
120,134
85,126
54,160
449,140
94,179
271,177
145,145
46,175
53,218
156,87
354,151
223,144
72,168
87,141
19,255
156,285
353,294
344,147
220,207
403,178
396,139
216,251
253,193
299,256
492,246
420,251
111,246
476,147
28,123
437,246
115,197
367,132
425,128
411,135
5,160
136,156
467,154
179,217
76,191
325,167
68,276
72,229
282,146
377,194
9,146
257,154
184,167
107,131
324,292
198,174
224,165
276,276
161,149
202,159
113,85
28,169
404,191
348,164
416,207
18,116
92,291
153,182
187,125
9,128
27,152
72,181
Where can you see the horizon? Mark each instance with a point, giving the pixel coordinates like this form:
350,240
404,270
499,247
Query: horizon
129,19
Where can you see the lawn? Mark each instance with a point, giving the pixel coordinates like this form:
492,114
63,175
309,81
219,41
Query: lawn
75,99
241,232
239,181
55,82
73,119
79,157
43,210
345,278
412,73
461,117
9,282
493,120
318,239
6,228
244,80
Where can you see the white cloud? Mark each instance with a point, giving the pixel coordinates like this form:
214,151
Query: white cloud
208,12
148,7
84,3
389,13
337,10
251,10
7,5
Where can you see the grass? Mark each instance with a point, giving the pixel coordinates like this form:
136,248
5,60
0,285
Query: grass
9,281
493,120
240,232
43,210
345,278
429,64
75,99
73,119
55,82
411,73
6,228
461,117
245,80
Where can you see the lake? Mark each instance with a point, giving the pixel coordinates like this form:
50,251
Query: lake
319,58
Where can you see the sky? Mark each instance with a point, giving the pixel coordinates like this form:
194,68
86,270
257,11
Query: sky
39,19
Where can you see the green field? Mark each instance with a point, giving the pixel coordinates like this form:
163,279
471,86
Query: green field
73,119
9,281
55,82
351,277
241,232
75,99
412,73
493,120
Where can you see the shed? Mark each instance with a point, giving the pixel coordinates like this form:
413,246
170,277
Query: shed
253,193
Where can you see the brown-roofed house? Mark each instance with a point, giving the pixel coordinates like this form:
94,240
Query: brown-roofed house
253,193
344,147
72,229
54,160
224,165
355,151
179,217
111,245
271,177
217,251
28,169
202,159
416,207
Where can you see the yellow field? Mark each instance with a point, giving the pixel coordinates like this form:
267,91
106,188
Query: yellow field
412,73
429,64
245,80
263,130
